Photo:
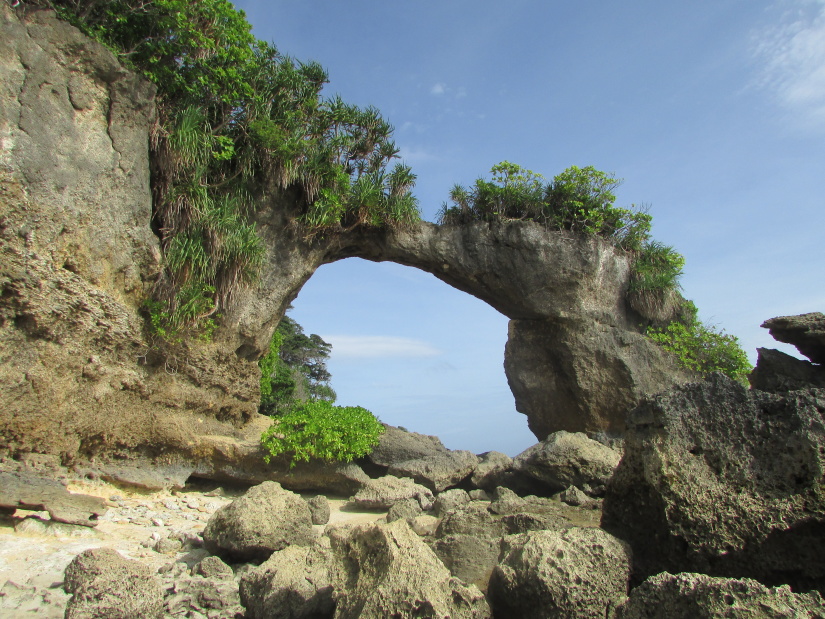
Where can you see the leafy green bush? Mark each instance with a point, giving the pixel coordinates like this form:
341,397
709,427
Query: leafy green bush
578,199
235,114
702,348
319,430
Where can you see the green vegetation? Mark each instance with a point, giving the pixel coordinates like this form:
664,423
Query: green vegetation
578,199
234,116
294,369
702,348
318,429
295,392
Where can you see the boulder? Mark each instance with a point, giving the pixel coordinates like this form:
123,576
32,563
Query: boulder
469,558
105,585
267,518
437,471
406,508
778,372
697,596
200,596
566,459
398,445
296,582
450,499
319,508
724,481
806,332
491,470
213,567
390,572
576,573
382,493
471,519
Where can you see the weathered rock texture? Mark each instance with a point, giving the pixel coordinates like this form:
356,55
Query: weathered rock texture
390,572
267,518
724,481
696,596
566,574
806,332
105,585
79,377
22,491
568,459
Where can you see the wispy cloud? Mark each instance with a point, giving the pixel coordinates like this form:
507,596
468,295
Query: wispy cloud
417,155
792,58
379,346
438,89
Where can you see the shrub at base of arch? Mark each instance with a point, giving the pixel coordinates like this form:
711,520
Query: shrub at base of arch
319,430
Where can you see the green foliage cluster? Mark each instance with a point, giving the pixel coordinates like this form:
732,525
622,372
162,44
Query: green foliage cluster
578,199
294,369
319,430
233,109
702,348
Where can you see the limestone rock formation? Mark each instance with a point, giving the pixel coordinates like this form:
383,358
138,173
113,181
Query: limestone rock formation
391,572
568,459
571,574
778,372
806,332
80,257
24,491
104,584
294,582
384,492
724,481
696,596
438,472
267,518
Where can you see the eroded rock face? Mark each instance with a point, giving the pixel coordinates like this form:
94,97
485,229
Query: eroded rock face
79,258
267,518
724,481
105,584
390,572
574,573
696,596
806,332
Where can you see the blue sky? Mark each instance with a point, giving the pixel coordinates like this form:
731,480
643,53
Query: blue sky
712,111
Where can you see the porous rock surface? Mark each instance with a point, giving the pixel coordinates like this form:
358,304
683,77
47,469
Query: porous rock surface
390,572
575,573
384,492
724,481
267,518
778,372
806,332
293,582
566,459
697,596
105,585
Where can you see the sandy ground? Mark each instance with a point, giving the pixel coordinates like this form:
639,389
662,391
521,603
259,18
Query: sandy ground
34,551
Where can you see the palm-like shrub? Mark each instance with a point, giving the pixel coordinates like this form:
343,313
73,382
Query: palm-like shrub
235,113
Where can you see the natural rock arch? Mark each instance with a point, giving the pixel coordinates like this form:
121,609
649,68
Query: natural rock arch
575,359
81,378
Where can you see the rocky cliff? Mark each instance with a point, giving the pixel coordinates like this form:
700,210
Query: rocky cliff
79,375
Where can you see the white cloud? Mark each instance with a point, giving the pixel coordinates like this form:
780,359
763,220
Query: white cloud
792,55
438,89
379,346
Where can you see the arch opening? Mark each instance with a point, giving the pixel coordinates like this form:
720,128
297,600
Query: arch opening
416,352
